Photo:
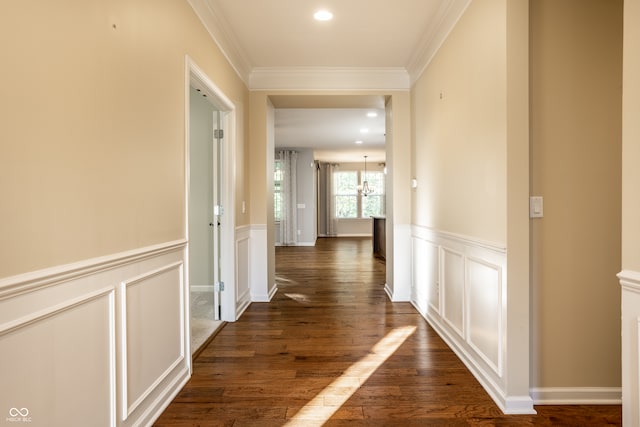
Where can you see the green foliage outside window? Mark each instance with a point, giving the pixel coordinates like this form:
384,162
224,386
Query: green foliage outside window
349,203
346,194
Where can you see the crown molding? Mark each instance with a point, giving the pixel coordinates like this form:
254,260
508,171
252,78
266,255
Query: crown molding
437,32
223,36
329,78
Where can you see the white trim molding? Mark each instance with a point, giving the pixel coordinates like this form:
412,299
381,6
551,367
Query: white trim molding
630,296
196,77
577,395
437,32
329,78
28,282
222,36
630,280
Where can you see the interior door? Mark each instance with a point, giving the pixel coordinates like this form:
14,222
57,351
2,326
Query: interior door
218,212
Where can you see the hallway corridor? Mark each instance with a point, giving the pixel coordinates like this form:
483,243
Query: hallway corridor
332,350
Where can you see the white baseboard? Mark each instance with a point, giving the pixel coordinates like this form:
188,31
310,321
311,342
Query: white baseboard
577,395
388,291
265,298
513,405
243,304
298,244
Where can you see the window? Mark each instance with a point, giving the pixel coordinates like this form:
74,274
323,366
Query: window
349,203
373,204
346,194
277,191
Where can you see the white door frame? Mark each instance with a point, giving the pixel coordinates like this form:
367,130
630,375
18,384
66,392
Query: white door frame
195,77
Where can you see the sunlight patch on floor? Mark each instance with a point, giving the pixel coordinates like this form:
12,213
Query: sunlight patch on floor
322,407
297,297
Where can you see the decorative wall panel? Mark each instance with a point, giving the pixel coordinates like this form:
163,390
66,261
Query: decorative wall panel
484,319
100,342
464,282
453,289
243,271
153,336
57,364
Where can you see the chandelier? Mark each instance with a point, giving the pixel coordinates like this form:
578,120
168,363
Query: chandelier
364,188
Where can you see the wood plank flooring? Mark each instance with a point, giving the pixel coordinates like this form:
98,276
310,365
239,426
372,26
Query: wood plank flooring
331,350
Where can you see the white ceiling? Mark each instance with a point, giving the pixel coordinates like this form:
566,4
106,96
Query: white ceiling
332,133
280,39
330,125
363,33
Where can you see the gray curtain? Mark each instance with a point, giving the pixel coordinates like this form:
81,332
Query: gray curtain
289,207
331,223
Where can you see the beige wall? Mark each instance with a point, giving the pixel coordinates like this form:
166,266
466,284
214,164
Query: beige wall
471,161
576,151
93,129
460,129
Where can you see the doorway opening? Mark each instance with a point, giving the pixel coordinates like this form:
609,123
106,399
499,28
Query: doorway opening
325,148
204,222
210,219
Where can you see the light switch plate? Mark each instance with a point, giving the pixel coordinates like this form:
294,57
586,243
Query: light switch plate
536,207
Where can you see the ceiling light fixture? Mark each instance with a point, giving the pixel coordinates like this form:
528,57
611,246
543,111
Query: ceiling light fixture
323,15
364,130
364,189
372,114
359,142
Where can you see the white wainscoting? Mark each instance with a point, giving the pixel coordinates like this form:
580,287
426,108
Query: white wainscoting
459,286
261,291
243,270
630,283
102,342
399,263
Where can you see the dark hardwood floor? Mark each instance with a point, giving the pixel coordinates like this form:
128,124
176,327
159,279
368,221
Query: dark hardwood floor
332,350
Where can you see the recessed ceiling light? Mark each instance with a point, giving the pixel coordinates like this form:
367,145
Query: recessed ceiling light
364,130
372,114
323,15
358,142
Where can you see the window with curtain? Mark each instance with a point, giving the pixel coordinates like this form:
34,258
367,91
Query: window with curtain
287,200
277,191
